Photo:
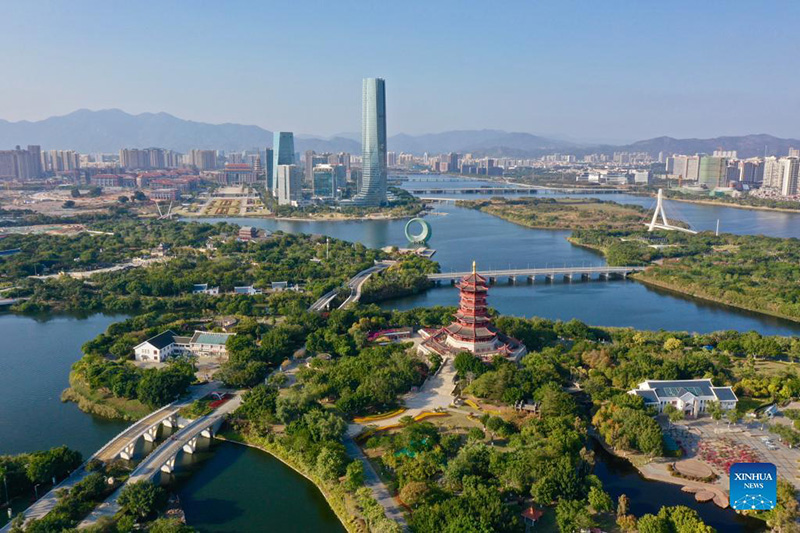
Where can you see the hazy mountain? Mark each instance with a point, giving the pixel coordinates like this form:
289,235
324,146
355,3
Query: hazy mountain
745,145
112,129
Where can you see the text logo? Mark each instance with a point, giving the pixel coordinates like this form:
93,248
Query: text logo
754,486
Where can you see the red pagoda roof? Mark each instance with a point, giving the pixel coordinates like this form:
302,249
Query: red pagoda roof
532,513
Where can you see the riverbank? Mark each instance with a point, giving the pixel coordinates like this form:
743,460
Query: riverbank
102,404
560,213
739,206
656,469
323,217
339,501
643,278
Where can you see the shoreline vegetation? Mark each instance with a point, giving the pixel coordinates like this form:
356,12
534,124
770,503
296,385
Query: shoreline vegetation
336,500
726,269
102,404
560,213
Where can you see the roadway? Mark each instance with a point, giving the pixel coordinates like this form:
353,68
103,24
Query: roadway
151,465
354,284
111,450
540,272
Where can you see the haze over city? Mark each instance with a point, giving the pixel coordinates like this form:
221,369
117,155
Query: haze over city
586,71
399,267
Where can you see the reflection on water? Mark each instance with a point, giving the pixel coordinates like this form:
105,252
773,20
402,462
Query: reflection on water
234,488
620,477
35,361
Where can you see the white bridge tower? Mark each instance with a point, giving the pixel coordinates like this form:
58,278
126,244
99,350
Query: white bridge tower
659,213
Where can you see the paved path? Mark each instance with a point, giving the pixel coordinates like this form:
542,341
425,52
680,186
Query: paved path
434,394
379,490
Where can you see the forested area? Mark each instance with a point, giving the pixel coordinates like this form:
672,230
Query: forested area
118,240
408,276
747,271
315,263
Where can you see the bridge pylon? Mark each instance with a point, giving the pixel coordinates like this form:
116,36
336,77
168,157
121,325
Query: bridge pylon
659,212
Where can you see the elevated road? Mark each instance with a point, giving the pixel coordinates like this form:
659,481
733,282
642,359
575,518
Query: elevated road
113,449
354,284
165,456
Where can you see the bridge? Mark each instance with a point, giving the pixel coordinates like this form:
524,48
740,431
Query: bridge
126,445
354,284
665,224
549,274
164,458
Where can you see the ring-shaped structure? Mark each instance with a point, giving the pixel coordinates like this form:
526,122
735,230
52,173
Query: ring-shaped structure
423,236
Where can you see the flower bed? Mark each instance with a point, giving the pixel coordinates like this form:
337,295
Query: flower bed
723,453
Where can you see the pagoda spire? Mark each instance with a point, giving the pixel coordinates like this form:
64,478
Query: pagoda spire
474,267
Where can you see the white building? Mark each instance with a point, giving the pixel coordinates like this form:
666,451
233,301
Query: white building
691,396
167,344
289,185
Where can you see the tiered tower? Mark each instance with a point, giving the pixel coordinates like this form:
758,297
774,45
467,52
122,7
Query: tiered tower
472,329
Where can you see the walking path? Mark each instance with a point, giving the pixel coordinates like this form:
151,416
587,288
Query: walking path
379,490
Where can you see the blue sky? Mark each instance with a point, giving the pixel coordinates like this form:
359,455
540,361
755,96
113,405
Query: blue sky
593,70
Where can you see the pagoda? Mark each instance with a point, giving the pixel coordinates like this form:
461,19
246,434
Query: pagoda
472,329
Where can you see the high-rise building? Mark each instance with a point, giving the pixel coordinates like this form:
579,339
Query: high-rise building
791,168
793,152
288,185
324,181
773,173
21,164
713,171
203,159
283,150
373,143
269,168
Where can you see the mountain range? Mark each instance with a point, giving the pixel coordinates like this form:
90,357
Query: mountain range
109,130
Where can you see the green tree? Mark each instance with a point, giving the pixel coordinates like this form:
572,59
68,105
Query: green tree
169,525
141,498
572,516
600,500
354,475
329,464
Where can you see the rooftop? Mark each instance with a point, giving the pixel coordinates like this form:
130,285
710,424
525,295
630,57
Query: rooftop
162,340
207,337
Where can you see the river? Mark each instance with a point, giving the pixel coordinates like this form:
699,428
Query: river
239,489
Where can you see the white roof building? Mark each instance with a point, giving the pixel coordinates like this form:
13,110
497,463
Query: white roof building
691,396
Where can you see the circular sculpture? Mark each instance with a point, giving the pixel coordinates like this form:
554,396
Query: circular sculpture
421,237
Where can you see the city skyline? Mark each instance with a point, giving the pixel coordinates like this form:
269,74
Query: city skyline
596,73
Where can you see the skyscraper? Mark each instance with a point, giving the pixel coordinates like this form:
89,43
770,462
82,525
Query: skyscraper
713,171
283,147
288,185
269,168
373,142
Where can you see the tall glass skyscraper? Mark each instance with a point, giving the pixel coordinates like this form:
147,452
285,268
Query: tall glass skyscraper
373,143
283,154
